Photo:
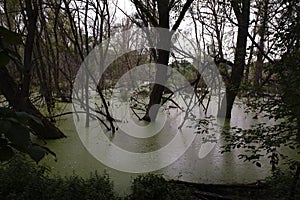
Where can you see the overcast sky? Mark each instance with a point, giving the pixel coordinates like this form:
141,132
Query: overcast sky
126,6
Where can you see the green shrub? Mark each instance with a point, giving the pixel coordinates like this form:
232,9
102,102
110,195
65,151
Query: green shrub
280,185
155,187
23,180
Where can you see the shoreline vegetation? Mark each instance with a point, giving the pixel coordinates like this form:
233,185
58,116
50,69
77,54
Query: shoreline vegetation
37,182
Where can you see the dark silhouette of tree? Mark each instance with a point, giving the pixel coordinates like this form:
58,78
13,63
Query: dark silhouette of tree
157,14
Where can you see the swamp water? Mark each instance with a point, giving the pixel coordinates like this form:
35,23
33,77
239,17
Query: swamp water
195,165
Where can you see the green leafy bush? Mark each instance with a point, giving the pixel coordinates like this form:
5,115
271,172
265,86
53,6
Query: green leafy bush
150,186
24,180
15,136
280,186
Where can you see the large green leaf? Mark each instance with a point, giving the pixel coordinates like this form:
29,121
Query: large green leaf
6,112
4,126
25,117
13,54
4,59
49,151
3,142
6,153
10,37
19,148
37,153
19,135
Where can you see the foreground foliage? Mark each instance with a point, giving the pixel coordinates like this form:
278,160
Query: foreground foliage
24,180
279,186
21,179
150,186
15,135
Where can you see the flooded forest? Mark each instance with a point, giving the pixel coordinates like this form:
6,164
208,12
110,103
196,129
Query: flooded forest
149,99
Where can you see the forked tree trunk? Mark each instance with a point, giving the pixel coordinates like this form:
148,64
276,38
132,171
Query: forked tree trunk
157,91
239,58
163,8
162,58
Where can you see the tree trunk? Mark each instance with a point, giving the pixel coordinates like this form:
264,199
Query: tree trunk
262,30
163,7
32,14
298,128
162,58
294,183
11,92
157,91
239,57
